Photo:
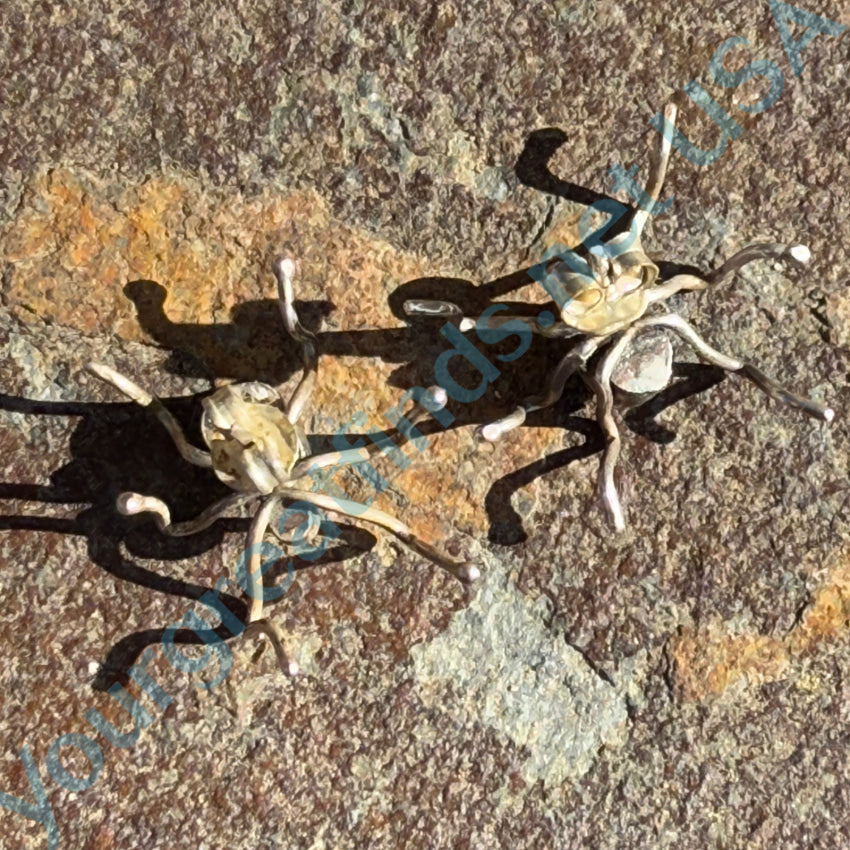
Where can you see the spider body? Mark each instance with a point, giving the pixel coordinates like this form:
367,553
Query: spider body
615,296
258,448
253,445
610,315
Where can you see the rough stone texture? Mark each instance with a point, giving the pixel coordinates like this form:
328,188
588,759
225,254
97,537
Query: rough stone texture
684,684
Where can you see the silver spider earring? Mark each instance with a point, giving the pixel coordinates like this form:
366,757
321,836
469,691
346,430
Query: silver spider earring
257,448
604,310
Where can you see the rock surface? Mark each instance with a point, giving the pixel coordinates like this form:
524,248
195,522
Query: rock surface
682,685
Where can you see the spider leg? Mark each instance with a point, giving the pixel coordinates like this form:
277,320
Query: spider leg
257,624
677,283
351,456
259,526
731,364
570,363
536,324
657,173
432,309
289,666
326,459
131,504
134,503
601,383
286,533
461,570
145,399
799,254
284,268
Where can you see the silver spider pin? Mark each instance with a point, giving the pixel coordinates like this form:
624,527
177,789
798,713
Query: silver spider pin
606,312
257,448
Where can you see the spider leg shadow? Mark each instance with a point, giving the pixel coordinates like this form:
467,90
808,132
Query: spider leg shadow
696,378
117,447
127,651
211,351
505,523
473,299
532,168
253,345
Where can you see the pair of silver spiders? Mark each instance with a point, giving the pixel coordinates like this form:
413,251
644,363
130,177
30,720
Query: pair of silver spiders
257,447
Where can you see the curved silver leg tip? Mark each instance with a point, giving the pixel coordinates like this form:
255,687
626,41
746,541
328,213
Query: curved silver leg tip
800,253
265,628
615,514
97,370
284,267
430,307
469,574
441,397
488,433
131,504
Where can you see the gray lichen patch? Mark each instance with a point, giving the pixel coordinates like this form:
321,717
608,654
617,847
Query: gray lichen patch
498,664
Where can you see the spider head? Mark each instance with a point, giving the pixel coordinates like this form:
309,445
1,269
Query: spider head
610,295
253,444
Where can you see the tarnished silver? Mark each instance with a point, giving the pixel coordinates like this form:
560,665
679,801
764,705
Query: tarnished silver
606,310
258,448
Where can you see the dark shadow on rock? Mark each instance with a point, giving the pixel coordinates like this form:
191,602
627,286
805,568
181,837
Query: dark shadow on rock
696,378
126,652
471,298
119,447
417,347
255,346
532,168
505,523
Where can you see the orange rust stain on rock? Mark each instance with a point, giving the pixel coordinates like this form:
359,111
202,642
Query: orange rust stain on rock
78,240
829,614
708,661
